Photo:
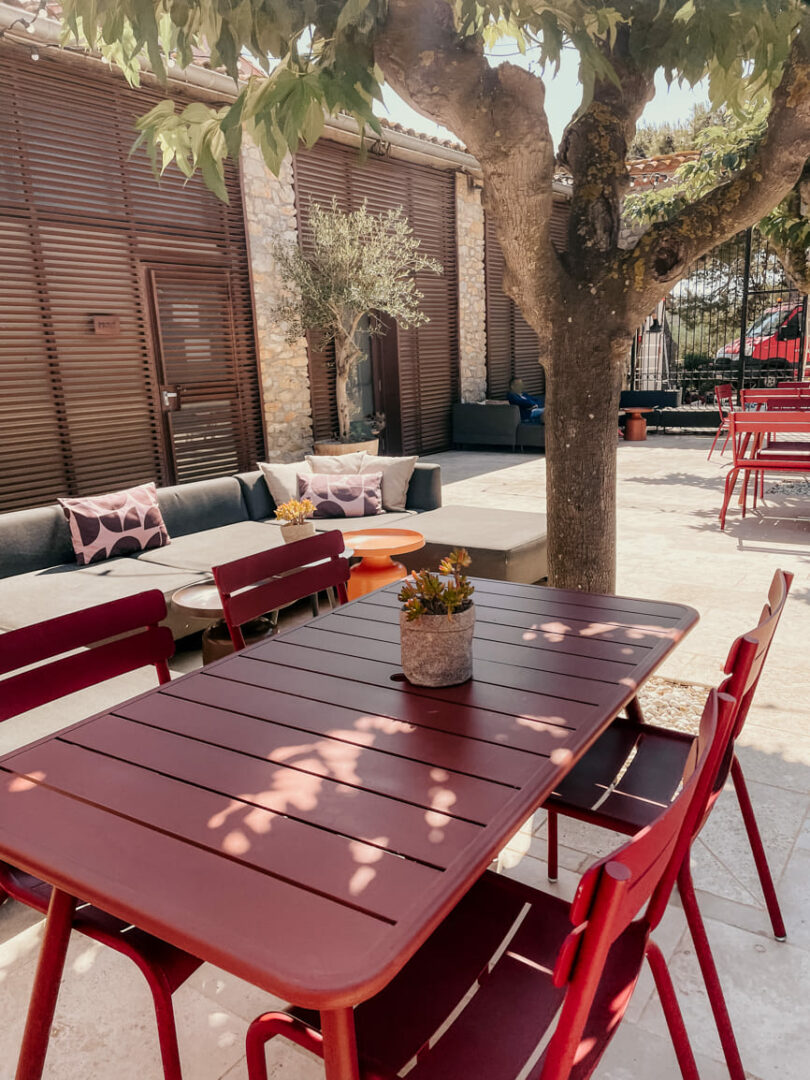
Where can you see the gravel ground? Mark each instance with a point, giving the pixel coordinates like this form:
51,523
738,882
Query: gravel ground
673,704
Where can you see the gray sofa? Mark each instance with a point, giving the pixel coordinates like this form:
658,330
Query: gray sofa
495,423
209,522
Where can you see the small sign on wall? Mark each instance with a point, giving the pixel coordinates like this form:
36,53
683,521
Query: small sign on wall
106,325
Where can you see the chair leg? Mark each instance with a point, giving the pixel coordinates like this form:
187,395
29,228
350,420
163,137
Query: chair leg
167,1031
672,1012
708,970
266,1027
758,850
553,868
725,444
714,442
42,1005
731,480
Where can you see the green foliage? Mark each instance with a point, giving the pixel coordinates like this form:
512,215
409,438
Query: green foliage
652,140
725,147
318,56
446,593
357,265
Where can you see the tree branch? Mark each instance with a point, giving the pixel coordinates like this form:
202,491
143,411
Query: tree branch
594,150
499,114
664,254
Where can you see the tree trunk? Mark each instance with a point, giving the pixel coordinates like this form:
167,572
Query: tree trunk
344,350
582,415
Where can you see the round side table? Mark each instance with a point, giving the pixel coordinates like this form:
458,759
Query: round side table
201,601
375,548
635,427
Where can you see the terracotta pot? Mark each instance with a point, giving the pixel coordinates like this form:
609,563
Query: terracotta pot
337,449
437,649
291,533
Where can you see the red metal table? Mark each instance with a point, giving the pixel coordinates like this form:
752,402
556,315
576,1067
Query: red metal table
301,816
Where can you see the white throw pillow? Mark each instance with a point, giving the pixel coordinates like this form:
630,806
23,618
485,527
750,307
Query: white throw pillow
282,479
342,464
396,476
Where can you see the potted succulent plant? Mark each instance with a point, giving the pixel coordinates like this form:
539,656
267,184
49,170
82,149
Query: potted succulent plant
293,516
437,623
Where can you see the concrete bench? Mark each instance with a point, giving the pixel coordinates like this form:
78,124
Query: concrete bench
509,545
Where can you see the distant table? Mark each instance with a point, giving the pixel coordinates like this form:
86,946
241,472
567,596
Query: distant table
302,816
635,428
375,548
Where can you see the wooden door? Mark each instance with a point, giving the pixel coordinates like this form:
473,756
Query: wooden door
198,373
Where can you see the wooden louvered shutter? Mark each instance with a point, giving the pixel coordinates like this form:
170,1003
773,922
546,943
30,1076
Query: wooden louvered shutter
427,357
513,350
80,220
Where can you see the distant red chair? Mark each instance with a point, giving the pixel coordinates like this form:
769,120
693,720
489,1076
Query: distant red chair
604,790
146,643
552,980
724,397
252,586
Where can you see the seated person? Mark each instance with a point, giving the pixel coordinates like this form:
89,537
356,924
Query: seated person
531,408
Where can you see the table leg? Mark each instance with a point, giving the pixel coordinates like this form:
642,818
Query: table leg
339,1045
45,991
372,572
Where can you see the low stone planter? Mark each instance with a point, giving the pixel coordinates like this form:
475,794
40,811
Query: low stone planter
337,449
437,649
291,533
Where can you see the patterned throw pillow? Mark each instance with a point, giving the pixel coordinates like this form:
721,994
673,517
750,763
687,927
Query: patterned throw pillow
338,496
120,523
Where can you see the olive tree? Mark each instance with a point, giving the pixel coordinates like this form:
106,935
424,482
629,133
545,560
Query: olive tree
324,56
356,267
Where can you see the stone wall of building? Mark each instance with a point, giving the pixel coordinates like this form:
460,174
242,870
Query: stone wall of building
270,216
472,295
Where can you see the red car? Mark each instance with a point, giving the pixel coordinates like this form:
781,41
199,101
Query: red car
772,344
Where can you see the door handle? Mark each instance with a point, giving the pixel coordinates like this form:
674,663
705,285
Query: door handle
169,399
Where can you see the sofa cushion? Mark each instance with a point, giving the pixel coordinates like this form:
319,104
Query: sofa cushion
508,545
337,464
342,495
255,492
396,477
33,540
118,523
200,551
378,521
45,594
206,504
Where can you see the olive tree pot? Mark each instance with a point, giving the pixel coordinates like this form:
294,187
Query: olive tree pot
437,649
290,533
337,449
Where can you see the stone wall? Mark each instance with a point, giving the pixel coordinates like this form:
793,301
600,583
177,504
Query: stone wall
472,296
270,216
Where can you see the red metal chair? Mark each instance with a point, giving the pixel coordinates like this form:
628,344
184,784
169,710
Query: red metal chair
604,790
724,396
145,643
252,586
551,981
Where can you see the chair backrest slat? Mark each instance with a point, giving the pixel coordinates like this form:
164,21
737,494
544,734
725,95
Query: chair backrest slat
252,586
64,676
724,396
112,639
741,681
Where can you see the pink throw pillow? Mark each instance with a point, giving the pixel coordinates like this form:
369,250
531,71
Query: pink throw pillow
336,496
120,523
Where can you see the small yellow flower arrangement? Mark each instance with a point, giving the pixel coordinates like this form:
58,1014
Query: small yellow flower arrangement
295,511
293,516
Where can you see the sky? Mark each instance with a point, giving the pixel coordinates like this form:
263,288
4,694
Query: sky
563,94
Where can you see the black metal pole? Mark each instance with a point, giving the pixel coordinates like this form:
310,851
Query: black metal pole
803,339
744,311
633,361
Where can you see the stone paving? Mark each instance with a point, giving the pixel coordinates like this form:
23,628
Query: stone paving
670,548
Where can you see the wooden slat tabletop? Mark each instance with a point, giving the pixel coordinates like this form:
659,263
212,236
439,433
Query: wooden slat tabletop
302,816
